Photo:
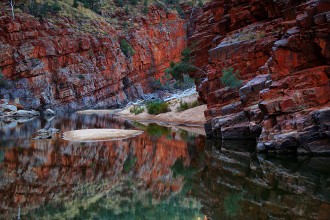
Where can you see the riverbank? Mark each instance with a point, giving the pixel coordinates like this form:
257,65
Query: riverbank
193,117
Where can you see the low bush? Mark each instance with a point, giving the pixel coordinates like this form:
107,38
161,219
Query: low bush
126,48
3,80
136,110
155,84
145,9
178,70
41,9
230,78
157,107
187,105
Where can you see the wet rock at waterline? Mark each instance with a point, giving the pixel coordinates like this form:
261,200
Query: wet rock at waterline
88,135
46,133
49,112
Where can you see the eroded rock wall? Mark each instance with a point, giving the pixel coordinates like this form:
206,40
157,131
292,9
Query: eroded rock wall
54,63
281,50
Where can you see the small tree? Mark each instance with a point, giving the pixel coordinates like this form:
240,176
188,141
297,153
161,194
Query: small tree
126,48
75,3
145,7
178,70
133,2
231,78
120,3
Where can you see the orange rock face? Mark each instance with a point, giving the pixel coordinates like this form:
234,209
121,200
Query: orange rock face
55,65
281,52
54,168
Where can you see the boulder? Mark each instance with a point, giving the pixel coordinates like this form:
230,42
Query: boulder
49,112
26,113
8,108
250,91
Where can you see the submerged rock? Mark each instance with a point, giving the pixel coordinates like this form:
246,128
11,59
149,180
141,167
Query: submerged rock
46,133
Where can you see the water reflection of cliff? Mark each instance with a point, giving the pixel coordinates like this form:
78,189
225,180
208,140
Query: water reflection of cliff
69,180
236,183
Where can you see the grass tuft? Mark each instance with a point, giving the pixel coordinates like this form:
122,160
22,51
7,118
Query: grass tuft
157,107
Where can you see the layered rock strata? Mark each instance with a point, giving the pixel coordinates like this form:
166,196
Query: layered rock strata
281,50
54,63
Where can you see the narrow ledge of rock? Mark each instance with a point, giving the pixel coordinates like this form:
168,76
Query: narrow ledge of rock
91,135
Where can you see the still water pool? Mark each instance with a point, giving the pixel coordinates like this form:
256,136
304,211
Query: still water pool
165,173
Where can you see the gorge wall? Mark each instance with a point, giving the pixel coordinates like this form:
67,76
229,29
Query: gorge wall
281,50
67,64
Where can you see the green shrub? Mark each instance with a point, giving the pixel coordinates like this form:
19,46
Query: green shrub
80,76
120,3
41,9
178,70
155,84
126,48
180,11
187,83
157,107
94,5
187,105
133,2
3,80
232,204
75,3
145,9
127,10
136,109
231,78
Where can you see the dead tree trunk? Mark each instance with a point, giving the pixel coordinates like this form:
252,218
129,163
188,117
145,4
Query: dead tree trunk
12,3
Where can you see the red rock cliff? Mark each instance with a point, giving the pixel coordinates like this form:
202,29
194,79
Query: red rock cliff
281,50
54,63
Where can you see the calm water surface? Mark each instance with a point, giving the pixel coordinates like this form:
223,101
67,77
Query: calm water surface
165,173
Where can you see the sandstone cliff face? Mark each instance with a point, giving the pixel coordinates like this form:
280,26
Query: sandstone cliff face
55,64
281,49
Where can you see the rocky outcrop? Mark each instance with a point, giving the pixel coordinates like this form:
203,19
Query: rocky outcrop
53,63
280,49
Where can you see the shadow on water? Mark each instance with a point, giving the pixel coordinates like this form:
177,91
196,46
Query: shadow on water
165,173
238,183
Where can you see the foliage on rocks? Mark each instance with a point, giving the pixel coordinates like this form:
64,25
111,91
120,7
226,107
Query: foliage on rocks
40,9
126,48
230,78
178,70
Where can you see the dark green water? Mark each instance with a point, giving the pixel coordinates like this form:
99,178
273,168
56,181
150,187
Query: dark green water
165,173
